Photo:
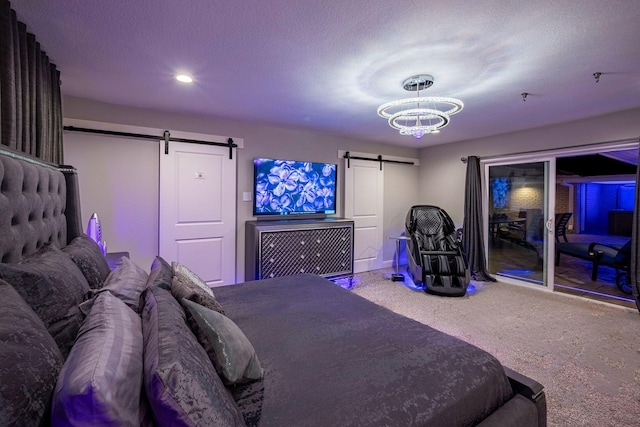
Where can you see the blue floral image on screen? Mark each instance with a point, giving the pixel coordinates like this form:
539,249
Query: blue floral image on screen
285,187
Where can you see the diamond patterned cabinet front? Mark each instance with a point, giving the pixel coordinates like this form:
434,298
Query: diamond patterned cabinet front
285,248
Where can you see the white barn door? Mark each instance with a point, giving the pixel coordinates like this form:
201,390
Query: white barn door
198,210
363,194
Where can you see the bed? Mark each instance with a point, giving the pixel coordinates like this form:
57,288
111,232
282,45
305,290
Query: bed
326,355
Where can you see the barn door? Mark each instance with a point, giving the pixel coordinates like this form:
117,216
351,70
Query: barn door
363,191
198,210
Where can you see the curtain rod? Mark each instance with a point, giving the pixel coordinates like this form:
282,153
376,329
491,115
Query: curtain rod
348,156
551,151
166,137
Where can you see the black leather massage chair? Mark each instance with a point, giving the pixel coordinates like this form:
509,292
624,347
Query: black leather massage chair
434,254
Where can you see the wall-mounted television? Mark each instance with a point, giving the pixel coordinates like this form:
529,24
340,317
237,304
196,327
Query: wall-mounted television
293,188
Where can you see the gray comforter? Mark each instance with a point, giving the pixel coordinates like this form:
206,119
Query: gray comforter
332,358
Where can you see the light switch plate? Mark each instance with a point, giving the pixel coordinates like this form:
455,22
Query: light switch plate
246,196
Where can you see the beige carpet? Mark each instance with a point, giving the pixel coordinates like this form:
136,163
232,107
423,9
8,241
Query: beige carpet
586,354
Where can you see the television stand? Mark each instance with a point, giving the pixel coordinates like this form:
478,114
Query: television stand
277,248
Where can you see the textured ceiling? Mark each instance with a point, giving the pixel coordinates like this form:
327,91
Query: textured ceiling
327,65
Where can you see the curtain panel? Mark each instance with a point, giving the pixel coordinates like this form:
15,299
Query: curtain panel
30,98
634,268
473,235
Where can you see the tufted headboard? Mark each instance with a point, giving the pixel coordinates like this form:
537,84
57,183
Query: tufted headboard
39,203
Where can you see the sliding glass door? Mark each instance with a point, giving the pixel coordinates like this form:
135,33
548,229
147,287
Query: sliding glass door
519,222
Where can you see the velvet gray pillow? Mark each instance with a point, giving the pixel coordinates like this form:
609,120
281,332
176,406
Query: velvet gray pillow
160,274
228,348
29,363
86,254
101,380
53,286
187,276
127,281
181,384
183,287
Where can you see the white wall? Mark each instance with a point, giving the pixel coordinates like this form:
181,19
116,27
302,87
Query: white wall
442,174
119,177
401,191
123,192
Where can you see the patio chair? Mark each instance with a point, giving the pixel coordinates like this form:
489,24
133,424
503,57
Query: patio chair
562,220
618,258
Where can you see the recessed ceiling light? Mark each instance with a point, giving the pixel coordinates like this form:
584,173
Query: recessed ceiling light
184,78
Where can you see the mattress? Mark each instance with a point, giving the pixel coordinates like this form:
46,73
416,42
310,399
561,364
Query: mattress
334,358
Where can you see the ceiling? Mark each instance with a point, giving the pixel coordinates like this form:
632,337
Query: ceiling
327,65
592,165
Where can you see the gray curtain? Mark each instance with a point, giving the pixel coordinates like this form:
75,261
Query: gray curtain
634,273
30,99
473,233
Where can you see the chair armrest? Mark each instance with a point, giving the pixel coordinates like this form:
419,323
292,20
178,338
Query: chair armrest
597,253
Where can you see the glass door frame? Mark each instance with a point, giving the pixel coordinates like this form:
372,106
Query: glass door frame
543,155
548,253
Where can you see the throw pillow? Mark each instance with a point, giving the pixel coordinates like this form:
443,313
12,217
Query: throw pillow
29,363
161,274
250,399
53,286
127,281
101,380
181,384
189,276
228,348
86,254
182,287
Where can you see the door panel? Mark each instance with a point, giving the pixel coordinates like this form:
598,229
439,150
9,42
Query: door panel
199,174
204,256
366,239
198,210
364,183
518,221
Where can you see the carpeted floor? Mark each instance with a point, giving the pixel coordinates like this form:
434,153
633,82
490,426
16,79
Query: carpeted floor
586,354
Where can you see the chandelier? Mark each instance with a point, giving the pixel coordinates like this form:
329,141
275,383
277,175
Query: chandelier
420,115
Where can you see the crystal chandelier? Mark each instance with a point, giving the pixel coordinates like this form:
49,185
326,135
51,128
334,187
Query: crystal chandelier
420,115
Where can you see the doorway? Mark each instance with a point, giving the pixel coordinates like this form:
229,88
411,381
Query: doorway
363,202
519,199
599,190
542,235
198,210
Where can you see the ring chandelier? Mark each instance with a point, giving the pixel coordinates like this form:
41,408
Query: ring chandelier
420,115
